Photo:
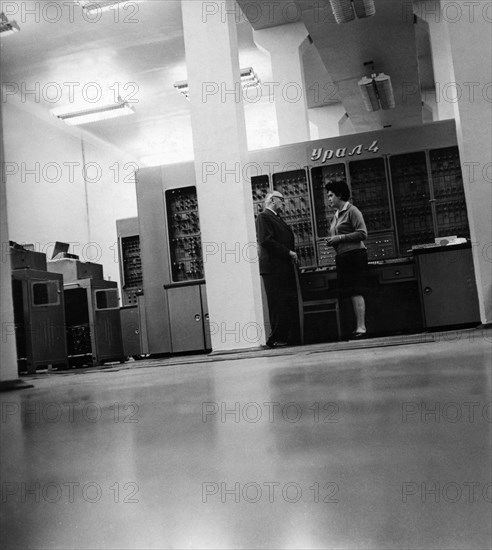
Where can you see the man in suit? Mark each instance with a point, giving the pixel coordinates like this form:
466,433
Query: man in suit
277,256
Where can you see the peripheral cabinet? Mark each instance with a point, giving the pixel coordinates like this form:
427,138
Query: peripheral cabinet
447,286
39,317
22,258
130,331
73,269
392,299
134,329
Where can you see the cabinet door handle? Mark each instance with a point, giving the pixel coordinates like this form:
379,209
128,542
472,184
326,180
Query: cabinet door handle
397,272
427,290
198,317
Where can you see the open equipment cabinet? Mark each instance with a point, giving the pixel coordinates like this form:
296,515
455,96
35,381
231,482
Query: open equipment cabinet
93,322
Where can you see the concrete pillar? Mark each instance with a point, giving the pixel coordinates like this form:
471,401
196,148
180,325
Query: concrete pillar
470,34
326,121
286,44
8,353
345,126
441,57
224,196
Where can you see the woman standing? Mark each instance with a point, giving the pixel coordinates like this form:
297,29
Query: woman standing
347,233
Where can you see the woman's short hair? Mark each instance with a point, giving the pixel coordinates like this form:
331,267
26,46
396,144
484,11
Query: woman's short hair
338,188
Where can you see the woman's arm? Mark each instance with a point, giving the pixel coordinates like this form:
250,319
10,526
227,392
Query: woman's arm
358,226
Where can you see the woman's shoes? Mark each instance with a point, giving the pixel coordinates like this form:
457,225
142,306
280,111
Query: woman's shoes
274,345
356,335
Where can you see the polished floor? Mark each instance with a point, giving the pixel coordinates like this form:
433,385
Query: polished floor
378,447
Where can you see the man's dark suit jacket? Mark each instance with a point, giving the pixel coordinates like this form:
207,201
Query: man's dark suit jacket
275,239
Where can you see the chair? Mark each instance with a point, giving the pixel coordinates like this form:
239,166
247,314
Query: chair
309,304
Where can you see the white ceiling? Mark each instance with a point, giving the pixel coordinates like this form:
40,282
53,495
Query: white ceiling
139,52
396,42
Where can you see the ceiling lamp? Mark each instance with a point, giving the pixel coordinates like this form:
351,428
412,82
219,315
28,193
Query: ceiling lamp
346,10
75,117
7,27
183,88
364,8
98,6
377,92
249,79
385,91
369,94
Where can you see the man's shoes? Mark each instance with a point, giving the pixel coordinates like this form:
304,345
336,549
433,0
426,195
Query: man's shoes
356,335
274,345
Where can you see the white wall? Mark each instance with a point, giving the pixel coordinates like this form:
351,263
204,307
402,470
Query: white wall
53,202
110,196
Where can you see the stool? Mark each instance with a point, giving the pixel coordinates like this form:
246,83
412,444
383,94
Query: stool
321,305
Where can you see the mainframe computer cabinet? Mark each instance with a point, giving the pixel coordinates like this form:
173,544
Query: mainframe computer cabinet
130,260
407,183
176,314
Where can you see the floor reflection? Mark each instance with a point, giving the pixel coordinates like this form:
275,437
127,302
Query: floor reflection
380,448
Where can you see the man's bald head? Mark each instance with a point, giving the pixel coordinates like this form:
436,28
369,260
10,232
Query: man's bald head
275,200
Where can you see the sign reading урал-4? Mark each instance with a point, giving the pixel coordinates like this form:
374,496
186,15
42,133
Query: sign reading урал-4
323,155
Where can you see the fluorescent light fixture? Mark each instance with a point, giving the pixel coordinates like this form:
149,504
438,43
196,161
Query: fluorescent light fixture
75,117
249,79
377,92
364,8
369,94
7,27
385,91
98,6
182,87
342,10
346,10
